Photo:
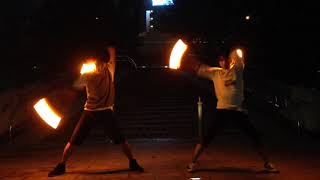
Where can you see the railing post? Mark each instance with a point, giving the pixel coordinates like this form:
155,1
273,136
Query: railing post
200,117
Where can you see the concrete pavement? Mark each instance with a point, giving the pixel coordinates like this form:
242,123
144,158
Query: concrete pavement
229,157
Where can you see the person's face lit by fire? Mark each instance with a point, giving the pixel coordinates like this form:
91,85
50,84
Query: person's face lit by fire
223,62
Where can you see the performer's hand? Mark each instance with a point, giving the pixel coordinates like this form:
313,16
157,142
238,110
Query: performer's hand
229,82
190,64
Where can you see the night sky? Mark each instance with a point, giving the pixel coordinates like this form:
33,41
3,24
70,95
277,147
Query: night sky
279,35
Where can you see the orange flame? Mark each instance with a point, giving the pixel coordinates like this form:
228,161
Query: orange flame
46,113
239,53
88,68
176,54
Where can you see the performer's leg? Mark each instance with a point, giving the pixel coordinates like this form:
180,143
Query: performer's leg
212,129
249,129
127,150
113,131
66,153
79,133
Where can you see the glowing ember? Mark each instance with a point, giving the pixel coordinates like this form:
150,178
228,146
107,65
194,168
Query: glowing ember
239,53
88,68
176,54
46,113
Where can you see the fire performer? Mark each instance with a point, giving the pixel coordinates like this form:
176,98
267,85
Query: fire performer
98,79
228,87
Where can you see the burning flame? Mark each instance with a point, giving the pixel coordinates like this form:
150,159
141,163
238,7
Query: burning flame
46,113
176,54
88,68
239,53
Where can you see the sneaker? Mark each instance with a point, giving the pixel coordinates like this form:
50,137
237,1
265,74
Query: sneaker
58,170
134,166
191,167
269,167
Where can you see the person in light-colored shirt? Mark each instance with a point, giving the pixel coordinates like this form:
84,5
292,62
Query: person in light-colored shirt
228,81
99,106
229,91
99,86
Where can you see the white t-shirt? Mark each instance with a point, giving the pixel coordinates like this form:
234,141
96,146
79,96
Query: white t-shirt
228,83
99,87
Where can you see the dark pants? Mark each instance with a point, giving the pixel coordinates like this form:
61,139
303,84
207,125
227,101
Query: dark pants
224,117
88,119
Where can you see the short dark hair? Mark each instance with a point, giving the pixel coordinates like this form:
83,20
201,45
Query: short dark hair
99,54
223,51
221,58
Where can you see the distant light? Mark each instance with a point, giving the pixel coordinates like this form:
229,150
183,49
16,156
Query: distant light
176,54
166,66
162,2
151,18
151,26
196,178
46,113
97,18
248,17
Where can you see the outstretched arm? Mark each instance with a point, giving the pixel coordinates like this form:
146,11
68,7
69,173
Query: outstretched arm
191,65
112,60
207,72
80,83
194,66
236,57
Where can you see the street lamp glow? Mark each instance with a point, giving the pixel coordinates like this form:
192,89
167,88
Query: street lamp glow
248,17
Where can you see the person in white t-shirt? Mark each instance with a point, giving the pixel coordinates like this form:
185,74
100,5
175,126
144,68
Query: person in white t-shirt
229,91
99,106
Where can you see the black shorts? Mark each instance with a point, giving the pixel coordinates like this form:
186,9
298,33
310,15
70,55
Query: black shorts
88,119
222,118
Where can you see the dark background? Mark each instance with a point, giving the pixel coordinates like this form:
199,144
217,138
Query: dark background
39,35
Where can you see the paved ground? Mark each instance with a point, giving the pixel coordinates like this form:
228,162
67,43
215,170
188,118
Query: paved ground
230,156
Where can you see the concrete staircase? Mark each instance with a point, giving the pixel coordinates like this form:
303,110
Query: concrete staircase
157,103
164,117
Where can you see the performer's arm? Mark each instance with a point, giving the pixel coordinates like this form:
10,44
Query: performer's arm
236,60
112,60
193,66
80,83
207,72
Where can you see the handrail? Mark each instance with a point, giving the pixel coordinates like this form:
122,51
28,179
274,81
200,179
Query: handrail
130,60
